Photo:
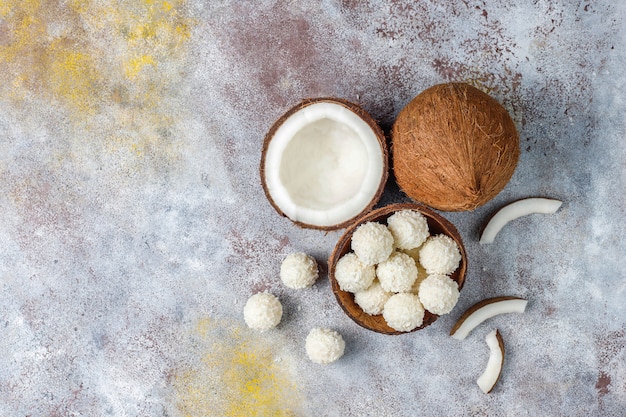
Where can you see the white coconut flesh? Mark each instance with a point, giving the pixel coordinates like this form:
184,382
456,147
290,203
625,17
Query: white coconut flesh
324,165
473,317
492,372
515,210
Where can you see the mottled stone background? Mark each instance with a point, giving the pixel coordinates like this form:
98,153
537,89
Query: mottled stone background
134,227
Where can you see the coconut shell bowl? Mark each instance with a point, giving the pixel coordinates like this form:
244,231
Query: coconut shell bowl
437,225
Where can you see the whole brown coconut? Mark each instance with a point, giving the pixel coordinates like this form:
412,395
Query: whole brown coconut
454,147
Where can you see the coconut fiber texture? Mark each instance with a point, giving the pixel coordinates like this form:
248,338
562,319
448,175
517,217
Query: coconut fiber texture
454,147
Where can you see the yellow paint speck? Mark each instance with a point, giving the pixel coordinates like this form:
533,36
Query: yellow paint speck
134,66
5,8
116,59
73,77
239,375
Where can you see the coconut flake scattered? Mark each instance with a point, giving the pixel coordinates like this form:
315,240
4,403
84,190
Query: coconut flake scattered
262,311
372,300
439,293
403,312
397,273
409,229
298,271
324,346
353,275
372,242
440,255
484,310
490,376
515,210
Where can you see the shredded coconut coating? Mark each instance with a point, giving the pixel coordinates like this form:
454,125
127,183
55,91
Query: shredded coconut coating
403,312
439,293
298,271
421,276
324,346
353,275
409,229
397,273
372,300
372,242
262,311
440,255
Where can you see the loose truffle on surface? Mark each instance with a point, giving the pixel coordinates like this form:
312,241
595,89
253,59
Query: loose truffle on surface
372,300
440,255
262,311
409,229
352,275
397,273
403,312
324,346
298,270
372,242
439,293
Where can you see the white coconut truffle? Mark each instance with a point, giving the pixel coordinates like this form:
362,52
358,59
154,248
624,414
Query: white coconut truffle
373,299
298,271
372,242
262,311
439,293
409,228
440,255
353,275
324,345
397,273
403,312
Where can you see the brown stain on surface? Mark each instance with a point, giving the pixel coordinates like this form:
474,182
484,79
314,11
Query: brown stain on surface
602,385
608,347
279,47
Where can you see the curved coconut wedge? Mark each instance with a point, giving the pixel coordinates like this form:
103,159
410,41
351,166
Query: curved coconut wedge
324,163
517,209
484,310
492,372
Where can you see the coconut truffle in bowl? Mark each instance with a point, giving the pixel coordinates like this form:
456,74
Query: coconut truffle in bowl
440,254
397,273
372,242
373,299
353,275
409,229
439,293
403,312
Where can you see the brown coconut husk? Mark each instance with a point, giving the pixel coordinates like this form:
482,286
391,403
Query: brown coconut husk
454,147
366,118
436,224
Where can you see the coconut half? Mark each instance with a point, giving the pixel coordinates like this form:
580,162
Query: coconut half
324,163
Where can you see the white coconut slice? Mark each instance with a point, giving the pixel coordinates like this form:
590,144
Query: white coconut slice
484,310
517,209
324,163
493,370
